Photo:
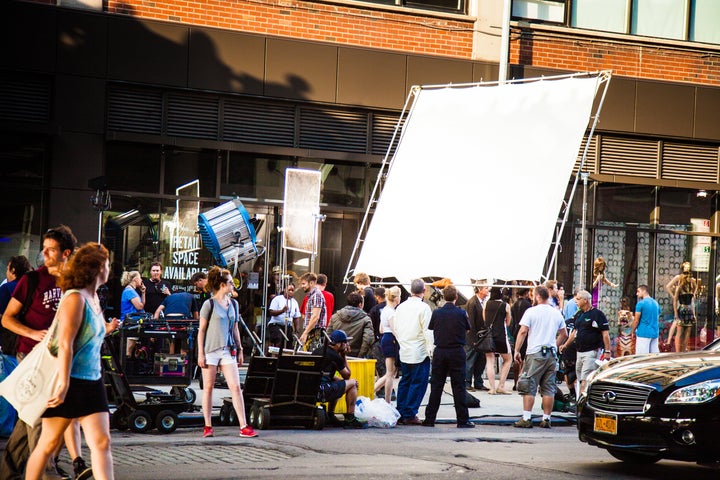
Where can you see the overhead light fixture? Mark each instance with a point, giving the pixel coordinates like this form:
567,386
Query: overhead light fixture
702,193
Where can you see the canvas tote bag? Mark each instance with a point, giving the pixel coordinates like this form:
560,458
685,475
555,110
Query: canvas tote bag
29,387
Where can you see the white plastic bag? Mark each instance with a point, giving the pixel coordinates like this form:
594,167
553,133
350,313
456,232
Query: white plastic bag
377,413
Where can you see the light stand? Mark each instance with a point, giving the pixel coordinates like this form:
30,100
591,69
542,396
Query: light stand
100,202
318,218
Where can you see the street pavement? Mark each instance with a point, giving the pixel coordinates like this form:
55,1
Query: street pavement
278,453
185,454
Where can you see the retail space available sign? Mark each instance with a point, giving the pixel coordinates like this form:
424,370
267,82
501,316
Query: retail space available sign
700,245
185,243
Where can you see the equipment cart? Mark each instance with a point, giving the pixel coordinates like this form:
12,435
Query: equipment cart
159,352
159,409
280,391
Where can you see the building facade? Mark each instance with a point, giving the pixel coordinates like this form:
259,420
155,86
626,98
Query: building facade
140,98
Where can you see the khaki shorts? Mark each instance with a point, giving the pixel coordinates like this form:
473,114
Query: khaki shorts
586,364
538,372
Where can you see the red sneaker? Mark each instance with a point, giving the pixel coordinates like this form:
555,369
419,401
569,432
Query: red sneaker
248,432
208,432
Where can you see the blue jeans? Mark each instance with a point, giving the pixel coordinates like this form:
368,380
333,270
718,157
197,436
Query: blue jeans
412,387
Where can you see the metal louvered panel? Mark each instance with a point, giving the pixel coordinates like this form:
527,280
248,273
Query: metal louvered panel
623,156
135,110
328,129
24,99
193,116
690,162
263,123
383,128
589,165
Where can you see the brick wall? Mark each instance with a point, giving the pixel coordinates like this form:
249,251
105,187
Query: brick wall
314,21
576,53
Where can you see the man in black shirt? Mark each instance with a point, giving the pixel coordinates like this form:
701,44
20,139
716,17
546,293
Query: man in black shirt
362,282
591,337
332,388
156,289
449,324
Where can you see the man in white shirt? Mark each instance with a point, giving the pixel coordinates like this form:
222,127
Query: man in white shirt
283,311
412,318
544,327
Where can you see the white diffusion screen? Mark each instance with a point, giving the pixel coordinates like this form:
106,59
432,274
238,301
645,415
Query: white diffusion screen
477,181
302,205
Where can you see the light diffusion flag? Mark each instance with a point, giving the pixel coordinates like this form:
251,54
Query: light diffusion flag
302,205
477,181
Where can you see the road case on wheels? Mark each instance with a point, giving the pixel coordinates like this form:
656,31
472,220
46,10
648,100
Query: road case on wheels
280,392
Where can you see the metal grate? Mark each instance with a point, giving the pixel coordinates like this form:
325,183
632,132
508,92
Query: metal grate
192,116
263,123
620,398
135,110
331,129
24,98
590,160
624,156
690,162
383,128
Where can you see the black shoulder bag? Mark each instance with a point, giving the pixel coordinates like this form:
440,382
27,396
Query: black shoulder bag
485,342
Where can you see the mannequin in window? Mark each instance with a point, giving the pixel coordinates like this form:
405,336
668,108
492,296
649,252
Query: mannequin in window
625,338
683,288
599,279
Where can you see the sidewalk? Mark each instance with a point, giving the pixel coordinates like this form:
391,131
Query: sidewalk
494,409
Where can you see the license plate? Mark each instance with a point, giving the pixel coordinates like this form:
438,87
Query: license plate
606,423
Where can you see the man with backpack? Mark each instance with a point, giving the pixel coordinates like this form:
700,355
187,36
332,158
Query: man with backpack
29,314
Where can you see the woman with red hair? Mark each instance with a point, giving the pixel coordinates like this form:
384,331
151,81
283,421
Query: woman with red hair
80,391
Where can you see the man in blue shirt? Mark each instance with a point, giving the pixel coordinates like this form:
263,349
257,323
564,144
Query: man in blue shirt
180,303
570,307
645,327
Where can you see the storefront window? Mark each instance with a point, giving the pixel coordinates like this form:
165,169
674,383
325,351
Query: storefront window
186,165
253,176
637,252
624,203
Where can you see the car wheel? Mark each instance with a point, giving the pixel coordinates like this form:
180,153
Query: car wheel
633,457
166,421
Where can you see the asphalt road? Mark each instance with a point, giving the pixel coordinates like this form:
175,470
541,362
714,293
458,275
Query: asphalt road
488,451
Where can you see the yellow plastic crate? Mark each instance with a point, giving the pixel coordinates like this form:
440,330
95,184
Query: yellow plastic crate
362,370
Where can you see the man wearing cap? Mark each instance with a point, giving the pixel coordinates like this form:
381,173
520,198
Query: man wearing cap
332,388
412,318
